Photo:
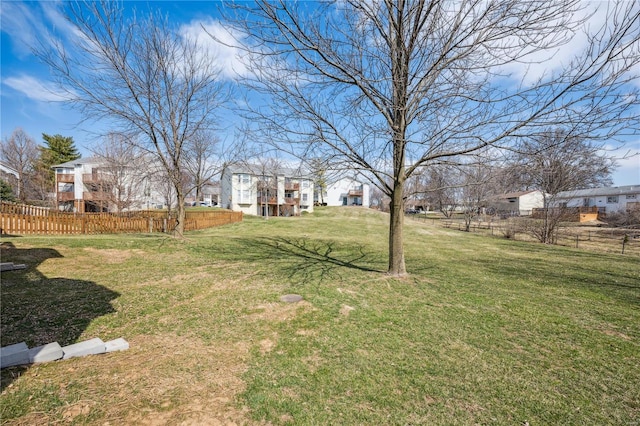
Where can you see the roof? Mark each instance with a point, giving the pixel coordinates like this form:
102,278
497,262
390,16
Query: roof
8,169
600,192
79,161
259,170
514,194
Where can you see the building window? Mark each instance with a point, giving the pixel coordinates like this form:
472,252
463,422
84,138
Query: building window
305,198
631,197
243,178
305,184
612,200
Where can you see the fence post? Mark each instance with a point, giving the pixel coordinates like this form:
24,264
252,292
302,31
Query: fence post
625,240
577,239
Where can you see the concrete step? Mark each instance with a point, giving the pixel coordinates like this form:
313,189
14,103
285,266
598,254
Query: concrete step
45,353
88,347
10,266
17,354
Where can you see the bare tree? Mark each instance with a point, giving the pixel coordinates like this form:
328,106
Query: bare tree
477,180
267,170
439,186
205,157
122,173
393,86
554,162
319,171
20,152
159,86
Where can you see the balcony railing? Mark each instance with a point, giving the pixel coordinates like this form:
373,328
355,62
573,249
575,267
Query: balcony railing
274,201
93,177
355,193
96,196
66,196
292,186
292,201
65,177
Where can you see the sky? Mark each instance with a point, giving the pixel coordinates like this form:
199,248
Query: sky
28,98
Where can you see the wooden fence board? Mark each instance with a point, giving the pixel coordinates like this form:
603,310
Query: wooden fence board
23,220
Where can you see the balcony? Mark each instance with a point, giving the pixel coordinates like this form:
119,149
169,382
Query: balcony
267,200
96,196
355,193
65,178
288,186
66,196
93,178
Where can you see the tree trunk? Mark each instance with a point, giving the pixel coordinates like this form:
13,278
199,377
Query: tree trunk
396,247
181,214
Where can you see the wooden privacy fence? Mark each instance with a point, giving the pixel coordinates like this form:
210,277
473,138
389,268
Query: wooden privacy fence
21,220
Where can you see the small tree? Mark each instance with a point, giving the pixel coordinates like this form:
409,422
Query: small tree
20,152
122,172
440,188
6,192
554,162
477,181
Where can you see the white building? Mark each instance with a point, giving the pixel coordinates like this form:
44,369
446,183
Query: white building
609,199
92,185
517,203
346,192
264,191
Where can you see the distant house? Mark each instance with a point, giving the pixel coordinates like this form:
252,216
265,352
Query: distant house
346,192
262,191
11,177
606,200
92,185
516,203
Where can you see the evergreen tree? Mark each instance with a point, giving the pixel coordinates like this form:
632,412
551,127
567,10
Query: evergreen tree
58,149
6,193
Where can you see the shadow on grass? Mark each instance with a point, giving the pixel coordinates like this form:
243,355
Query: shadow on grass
308,260
40,310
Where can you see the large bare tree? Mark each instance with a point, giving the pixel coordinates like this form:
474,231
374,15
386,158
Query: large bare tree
20,152
154,83
393,86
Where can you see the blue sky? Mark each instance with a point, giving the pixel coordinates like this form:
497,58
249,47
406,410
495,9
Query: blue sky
28,101
28,97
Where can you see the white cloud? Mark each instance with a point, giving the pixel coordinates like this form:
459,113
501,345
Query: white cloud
36,89
219,42
19,22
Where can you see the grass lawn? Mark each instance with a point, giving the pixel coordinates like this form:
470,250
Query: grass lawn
483,331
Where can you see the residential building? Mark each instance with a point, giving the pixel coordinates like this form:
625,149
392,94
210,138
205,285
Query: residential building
516,203
346,192
264,191
92,185
606,200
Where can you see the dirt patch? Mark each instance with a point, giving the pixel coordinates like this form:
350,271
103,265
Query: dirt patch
114,256
266,345
345,310
279,311
162,380
616,334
